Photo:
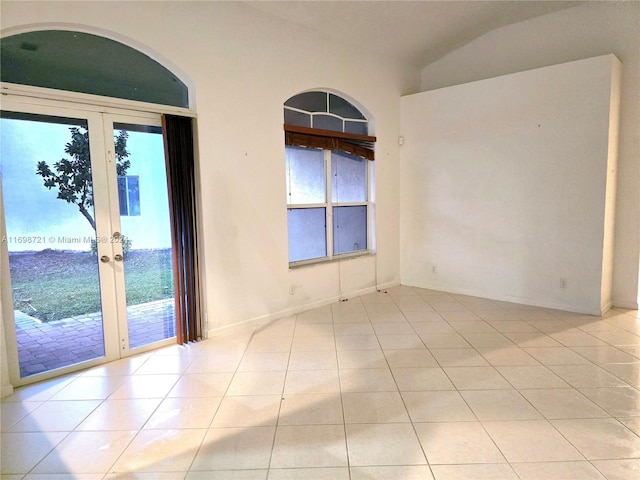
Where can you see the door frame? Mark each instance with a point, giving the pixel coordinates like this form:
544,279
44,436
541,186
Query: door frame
108,121
107,219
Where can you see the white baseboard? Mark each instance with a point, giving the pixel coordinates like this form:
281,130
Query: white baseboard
625,304
594,310
6,390
606,307
253,323
256,322
384,286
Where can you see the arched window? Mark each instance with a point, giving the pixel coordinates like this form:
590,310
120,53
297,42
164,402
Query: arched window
85,63
328,150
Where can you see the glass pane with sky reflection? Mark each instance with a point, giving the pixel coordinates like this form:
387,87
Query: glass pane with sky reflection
305,175
349,229
307,233
54,274
348,178
144,219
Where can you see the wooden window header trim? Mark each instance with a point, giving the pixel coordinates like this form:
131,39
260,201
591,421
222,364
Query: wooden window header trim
328,133
359,145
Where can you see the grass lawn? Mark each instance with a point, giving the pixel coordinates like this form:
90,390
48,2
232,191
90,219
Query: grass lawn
52,284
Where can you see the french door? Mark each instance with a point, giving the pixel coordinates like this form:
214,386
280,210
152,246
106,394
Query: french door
86,234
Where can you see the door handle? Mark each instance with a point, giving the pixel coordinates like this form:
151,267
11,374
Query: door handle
117,257
104,259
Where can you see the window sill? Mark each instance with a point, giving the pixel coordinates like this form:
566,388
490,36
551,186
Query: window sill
336,259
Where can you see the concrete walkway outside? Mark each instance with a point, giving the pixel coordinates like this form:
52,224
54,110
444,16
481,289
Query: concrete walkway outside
46,346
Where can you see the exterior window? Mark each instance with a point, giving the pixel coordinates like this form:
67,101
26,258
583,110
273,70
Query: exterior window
325,187
129,196
328,150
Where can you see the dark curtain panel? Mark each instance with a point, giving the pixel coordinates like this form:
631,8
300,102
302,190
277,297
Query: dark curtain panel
178,145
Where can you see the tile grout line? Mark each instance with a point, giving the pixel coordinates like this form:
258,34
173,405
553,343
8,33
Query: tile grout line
344,419
413,426
282,395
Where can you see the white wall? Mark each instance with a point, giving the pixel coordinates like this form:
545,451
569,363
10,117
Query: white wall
504,186
587,30
244,65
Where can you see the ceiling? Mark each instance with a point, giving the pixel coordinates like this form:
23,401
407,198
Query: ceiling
413,32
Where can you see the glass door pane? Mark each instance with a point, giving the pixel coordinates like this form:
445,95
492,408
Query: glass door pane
143,205
47,187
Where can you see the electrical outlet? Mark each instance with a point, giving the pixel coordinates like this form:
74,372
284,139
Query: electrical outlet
292,289
434,269
563,283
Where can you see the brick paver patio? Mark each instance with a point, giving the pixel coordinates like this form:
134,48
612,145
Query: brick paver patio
46,346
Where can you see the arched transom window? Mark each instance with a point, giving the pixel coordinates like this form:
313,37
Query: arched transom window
326,111
84,63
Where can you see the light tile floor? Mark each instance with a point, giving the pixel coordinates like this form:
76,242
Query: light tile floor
407,384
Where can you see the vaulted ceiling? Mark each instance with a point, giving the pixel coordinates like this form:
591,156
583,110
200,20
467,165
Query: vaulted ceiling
413,32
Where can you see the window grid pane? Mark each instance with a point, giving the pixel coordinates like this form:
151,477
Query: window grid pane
327,122
341,107
122,196
359,128
349,229
307,233
305,176
291,117
309,101
348,178
133,190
